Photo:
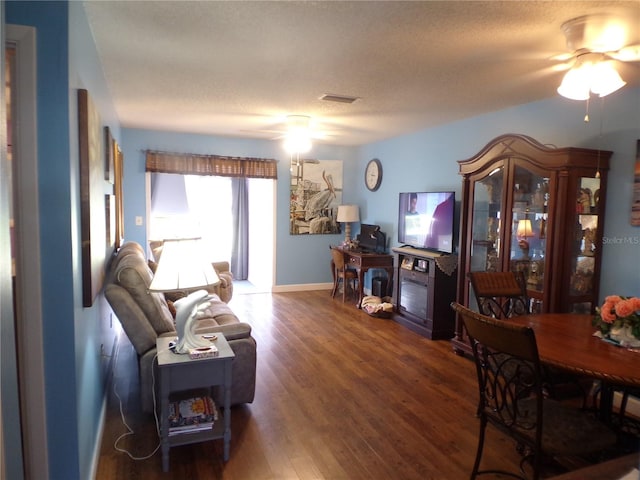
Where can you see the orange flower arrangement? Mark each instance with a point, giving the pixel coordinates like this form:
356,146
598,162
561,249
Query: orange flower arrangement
617,312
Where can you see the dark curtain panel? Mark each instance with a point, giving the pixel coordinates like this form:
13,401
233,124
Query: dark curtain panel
240,215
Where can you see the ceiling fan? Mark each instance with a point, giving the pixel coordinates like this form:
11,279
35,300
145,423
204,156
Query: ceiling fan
297,132
596,41
289,123
602,33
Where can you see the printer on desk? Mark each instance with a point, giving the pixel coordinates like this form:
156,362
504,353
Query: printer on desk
371,239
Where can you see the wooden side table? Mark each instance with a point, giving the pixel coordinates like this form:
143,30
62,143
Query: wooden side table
178,372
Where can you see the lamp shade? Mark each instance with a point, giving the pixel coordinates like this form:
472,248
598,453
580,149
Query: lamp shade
348,213
575,84
183,267
598,77
605,79
524,228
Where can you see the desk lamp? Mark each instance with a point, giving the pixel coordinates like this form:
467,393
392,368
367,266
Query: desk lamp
182,268
346,215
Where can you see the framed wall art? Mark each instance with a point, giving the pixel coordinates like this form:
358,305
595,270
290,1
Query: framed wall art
110,223
93,188
109,157
119,200
316,192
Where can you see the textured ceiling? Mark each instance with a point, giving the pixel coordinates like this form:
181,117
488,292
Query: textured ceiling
238,68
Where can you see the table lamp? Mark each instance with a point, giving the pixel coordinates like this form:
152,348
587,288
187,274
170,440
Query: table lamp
183,267
523,232
346,215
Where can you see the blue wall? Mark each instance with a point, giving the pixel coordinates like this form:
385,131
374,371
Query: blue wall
426,160
292,250
74,369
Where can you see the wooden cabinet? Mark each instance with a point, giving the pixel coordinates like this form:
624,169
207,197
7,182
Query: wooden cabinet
532,208
424,287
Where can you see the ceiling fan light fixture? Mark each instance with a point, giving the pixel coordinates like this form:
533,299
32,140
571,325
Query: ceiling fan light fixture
296,143
605,79
298,136
601,78
575,84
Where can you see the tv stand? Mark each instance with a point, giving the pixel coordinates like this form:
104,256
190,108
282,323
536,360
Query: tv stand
423,292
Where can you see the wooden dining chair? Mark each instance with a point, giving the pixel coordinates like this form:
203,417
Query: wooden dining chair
510,384
500,294
342,273
503,295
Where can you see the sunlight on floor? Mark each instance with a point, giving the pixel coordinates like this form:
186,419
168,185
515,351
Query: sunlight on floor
245,287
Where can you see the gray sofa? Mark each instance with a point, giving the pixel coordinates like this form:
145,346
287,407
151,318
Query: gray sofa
145,316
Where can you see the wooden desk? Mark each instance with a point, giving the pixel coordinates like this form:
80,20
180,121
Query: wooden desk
363,261
566,341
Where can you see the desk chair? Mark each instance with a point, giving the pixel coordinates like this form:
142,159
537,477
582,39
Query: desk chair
342,273
510,383
502,295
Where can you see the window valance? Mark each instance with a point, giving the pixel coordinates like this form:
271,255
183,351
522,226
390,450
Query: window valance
218,165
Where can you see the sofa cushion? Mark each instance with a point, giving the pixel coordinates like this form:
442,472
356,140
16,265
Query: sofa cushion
218,310
133,274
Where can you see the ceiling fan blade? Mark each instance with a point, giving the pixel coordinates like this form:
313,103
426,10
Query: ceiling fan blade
630,53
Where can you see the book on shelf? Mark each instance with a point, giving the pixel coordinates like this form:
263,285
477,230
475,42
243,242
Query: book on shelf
192,415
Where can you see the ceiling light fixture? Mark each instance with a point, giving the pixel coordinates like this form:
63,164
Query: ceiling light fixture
298,137
587,76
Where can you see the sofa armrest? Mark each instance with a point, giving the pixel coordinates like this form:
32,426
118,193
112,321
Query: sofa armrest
232,331
225,288
221,267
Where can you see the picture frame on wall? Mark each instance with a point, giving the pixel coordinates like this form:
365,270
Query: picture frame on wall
315,193
110,223
118,191
93,188
109,168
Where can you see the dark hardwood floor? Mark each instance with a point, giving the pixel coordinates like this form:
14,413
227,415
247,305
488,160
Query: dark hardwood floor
339,395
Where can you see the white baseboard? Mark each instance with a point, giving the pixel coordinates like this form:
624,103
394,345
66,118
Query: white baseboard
301,287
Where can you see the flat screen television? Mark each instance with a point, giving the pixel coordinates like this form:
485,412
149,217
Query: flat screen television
425,220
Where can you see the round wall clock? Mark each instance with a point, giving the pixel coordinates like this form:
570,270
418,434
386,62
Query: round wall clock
373,174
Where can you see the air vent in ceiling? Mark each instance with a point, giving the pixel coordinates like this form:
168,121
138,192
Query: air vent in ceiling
331,97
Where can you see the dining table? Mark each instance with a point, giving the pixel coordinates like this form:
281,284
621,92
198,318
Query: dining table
567,341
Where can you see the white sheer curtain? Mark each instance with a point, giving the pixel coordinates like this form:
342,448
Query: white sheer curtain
205,212
209,200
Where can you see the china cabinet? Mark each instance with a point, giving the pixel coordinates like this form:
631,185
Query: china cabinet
537,209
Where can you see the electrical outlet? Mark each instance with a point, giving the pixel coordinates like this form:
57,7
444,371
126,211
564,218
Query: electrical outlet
138,221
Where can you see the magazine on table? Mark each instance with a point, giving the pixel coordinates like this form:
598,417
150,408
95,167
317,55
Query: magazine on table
192,414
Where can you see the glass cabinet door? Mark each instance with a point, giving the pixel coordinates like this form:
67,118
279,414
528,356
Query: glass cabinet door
528,235
584,244
487,205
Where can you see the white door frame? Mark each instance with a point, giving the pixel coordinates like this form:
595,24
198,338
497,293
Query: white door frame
28,293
